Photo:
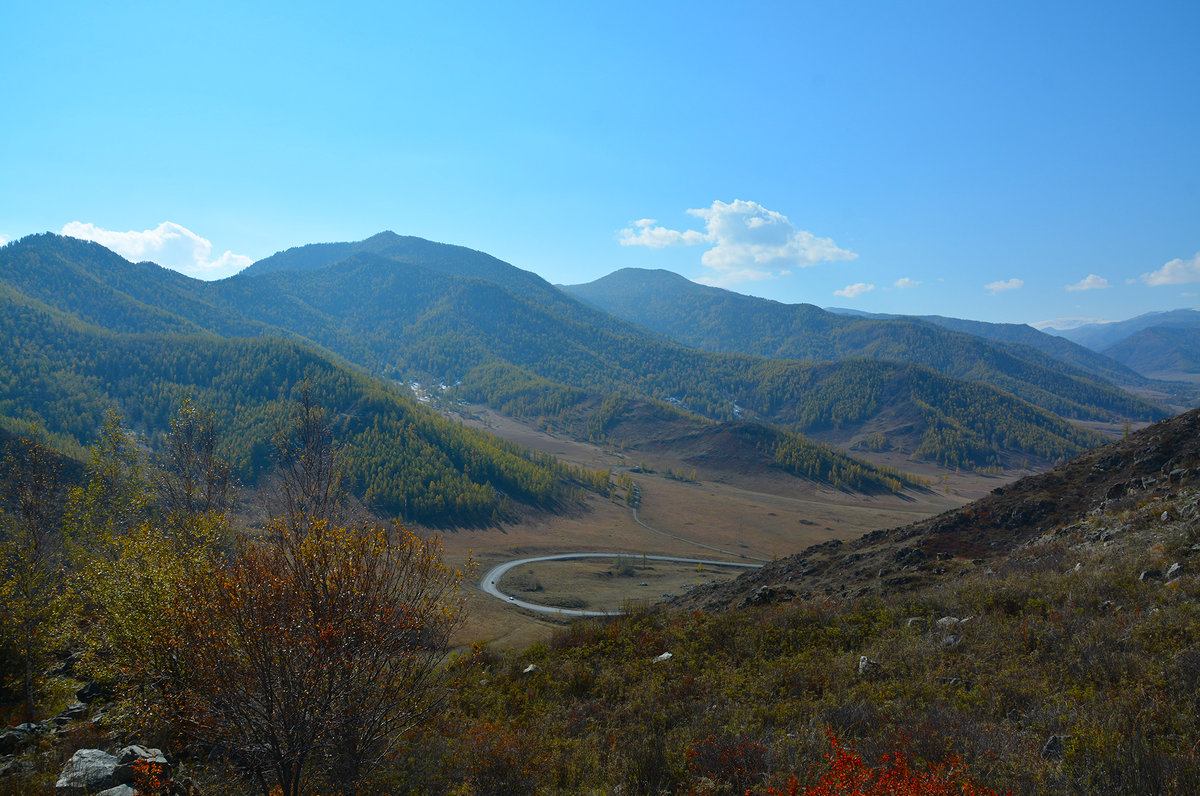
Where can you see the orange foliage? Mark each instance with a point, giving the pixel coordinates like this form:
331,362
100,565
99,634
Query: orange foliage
849,775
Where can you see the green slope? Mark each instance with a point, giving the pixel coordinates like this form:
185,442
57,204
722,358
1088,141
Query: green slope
723,321
534,357
1160,350
404,459
521,345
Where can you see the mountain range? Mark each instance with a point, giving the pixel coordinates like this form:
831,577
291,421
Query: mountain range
90,330
1067,379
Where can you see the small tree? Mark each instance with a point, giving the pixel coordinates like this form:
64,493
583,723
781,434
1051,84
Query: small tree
308,486
116,496
128,567
193,479
324,646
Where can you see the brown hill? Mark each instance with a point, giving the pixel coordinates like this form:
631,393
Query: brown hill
1154,463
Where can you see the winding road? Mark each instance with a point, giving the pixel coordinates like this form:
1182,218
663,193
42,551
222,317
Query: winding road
491,579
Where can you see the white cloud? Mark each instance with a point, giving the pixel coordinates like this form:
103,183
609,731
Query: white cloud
748,242
1066,324
647,234
737,276
1000,287
855,290
1176,272
168,244
904,283
1092,282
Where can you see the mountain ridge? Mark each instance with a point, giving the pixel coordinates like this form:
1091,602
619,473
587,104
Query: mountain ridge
534,348
726,322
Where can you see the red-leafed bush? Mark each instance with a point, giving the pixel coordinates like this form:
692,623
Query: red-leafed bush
849,775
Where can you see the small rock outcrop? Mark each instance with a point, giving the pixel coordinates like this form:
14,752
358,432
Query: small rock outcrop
94,771
88,771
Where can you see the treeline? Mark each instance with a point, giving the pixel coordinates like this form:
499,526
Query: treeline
799,456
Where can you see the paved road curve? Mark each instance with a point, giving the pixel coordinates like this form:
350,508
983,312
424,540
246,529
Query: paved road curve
491,579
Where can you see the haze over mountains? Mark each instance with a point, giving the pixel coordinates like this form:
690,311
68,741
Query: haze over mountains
93,330
1158,344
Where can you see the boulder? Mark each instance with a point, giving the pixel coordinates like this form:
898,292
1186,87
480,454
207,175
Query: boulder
88,771
666,656
93,692
768,595
73,712
17,767
866,665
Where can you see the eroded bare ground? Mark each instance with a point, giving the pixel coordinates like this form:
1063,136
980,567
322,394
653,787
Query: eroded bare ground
753,513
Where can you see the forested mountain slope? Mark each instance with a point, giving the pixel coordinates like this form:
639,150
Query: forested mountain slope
527,356
404,459
519,344
723,321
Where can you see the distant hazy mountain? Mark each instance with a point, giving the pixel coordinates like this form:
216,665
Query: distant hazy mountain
723,321
1020,334
1102,336
1161,351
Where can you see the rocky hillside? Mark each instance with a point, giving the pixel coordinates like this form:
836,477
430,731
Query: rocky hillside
1085,501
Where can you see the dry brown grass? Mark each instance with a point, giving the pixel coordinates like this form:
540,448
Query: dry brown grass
757,514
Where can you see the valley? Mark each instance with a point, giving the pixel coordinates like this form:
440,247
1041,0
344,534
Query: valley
760,514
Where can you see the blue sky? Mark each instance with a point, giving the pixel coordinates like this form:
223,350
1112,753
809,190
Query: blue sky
962,158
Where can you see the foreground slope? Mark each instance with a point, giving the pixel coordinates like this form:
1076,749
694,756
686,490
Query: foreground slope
1034,648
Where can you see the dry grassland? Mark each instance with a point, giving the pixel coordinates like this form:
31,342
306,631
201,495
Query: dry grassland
735,515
